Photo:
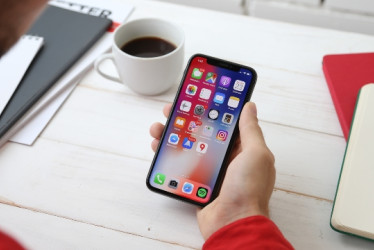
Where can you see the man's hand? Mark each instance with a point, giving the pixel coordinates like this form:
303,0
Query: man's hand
249,179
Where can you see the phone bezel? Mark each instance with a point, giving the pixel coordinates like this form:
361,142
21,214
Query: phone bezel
217,186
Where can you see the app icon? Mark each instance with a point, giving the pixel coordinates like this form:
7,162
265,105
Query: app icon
194,126
173,184
179,122
227,118
202,192
225,81
211,77
222,135
173,138
185,106
219,98
239,85
208,130
233,102
205,93
187,143
191,89
187,188
202,147
213,114
199,109
159,178
197,73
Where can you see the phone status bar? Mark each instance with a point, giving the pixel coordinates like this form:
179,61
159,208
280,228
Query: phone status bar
245,73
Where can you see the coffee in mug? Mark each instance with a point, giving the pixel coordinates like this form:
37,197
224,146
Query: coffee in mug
148,47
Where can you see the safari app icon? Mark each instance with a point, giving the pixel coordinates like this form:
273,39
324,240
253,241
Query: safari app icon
187,188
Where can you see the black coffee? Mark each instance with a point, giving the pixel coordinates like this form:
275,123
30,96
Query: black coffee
148,47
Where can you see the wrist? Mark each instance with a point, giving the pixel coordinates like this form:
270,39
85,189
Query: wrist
219,214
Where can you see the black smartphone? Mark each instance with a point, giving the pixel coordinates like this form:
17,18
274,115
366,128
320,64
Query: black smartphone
191,159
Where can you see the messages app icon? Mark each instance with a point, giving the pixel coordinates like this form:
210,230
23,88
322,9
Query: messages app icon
197,73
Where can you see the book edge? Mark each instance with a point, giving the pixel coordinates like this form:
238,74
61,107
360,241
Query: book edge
336,227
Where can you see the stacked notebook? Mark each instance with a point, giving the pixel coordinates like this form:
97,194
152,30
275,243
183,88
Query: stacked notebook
348,77
72,37
67,36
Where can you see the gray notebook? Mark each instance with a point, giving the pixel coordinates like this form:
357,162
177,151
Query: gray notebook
67,36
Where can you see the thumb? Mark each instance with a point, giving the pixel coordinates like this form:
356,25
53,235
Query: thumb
250,131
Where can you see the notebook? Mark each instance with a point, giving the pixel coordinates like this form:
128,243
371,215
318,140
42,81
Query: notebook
345,75
29,127
67,35
354,200
14,63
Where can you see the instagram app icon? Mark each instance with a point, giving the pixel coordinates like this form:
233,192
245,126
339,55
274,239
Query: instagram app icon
221,135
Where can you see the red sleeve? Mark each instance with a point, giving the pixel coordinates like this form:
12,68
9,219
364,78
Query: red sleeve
255,232
7,243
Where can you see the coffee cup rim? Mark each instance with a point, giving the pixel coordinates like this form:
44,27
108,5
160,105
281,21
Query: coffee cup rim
178,46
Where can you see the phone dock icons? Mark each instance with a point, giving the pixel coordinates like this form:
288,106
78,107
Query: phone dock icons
187,188
173,184
202,192
159,179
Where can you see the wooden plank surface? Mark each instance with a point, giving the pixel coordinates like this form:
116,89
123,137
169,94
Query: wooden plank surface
35,230
87,171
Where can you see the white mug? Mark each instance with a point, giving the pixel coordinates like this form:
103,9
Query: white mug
146,75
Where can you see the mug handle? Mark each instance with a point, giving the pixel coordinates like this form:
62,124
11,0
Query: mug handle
102,58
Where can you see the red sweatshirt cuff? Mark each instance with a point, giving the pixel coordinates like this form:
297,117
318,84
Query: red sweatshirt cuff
255,232
6,243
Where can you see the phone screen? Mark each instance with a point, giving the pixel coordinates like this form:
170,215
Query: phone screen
198,134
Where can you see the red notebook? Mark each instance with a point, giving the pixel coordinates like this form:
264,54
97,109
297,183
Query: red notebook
345,75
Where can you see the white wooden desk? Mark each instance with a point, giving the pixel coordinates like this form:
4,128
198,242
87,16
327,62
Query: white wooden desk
82,185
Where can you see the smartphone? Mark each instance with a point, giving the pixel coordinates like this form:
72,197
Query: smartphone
191,159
